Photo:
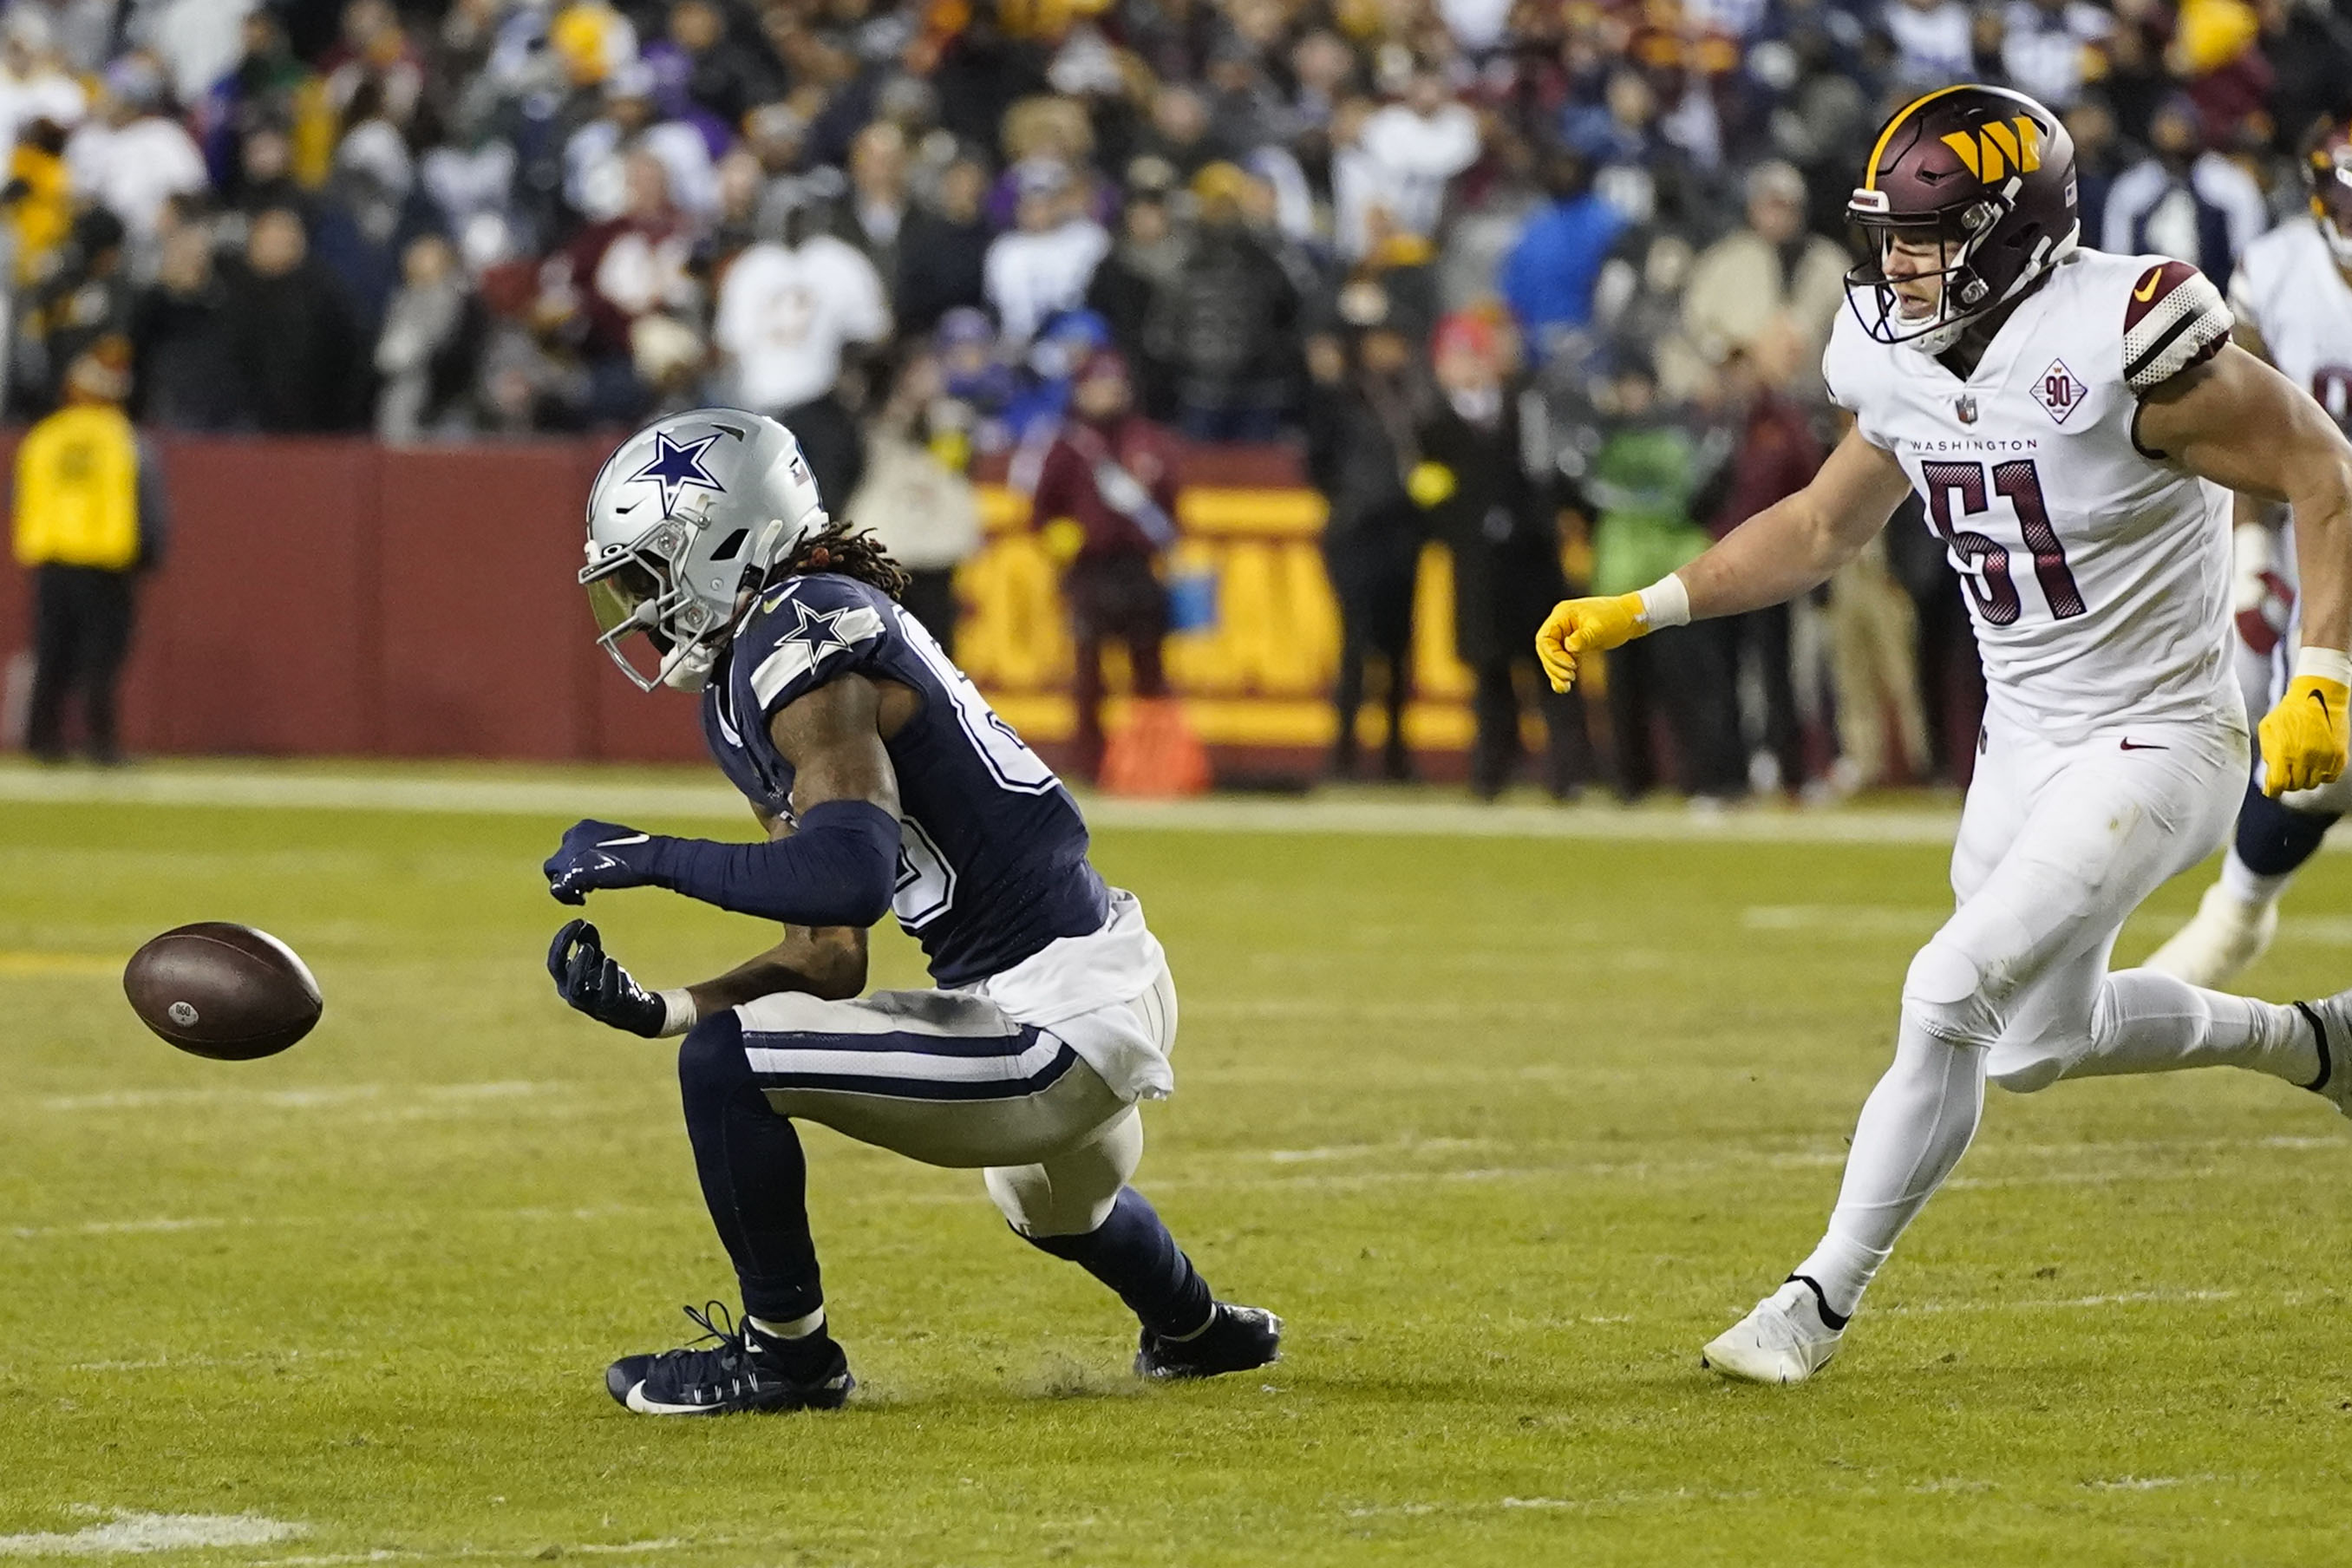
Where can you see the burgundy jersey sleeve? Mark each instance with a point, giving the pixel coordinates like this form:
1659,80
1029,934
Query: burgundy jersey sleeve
2174,318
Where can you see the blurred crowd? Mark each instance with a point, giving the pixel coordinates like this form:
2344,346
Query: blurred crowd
1493,263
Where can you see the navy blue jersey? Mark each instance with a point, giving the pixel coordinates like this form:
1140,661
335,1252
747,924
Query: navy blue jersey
993,852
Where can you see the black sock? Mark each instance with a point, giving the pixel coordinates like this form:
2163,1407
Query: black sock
753,1178
1133,1254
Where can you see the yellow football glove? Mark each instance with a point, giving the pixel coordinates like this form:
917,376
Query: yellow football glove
2306,736
1577,626
1430,484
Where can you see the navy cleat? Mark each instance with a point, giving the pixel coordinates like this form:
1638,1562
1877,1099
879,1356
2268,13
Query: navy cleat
1234,1338
742,1370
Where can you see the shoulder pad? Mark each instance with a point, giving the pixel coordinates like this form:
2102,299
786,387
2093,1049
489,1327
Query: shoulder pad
2173,319
804,633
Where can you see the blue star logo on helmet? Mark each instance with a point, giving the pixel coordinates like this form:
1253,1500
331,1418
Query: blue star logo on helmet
677,465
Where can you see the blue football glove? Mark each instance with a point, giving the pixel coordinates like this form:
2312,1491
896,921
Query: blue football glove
598,855
599,986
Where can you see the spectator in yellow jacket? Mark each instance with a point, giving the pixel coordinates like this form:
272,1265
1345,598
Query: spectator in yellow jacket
90,518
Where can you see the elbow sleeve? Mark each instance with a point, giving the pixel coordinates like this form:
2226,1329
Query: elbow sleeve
840,870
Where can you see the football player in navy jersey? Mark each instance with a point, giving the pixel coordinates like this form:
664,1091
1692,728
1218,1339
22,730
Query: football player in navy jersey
885,785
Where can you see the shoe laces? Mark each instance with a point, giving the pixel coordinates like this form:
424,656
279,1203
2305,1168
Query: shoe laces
724,1344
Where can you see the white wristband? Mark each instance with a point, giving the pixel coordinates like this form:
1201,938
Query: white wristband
1665,603
2324,664
679,1014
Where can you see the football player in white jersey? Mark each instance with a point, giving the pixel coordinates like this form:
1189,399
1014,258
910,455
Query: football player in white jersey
2292,295
2075,423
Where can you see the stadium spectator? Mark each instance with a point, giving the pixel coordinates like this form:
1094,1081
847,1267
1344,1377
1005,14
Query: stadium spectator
873,211
1549,276
1874,637
1105,504
429,351
363,221
596,177
2185,198
85,297
136,156
36,83
1361,418
943,261
1180,134
2047,47
178,337
1143,266
789,312
1643,491
1223,322
292,342
1497,514
614,274
1776,454
90,518
1045,264
1935,42
721,78
917,497
1415,147
1768,276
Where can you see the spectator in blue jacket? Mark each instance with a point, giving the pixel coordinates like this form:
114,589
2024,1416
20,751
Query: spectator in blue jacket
1549,274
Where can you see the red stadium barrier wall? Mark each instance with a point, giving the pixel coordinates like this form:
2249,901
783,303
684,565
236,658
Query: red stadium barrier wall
338,597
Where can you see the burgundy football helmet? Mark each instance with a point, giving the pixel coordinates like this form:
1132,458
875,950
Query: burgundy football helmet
1985,173
2328,171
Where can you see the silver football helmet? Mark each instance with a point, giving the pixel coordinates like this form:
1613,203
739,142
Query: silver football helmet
684,519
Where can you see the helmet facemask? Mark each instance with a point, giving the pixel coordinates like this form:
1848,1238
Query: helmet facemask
634,588
1963,294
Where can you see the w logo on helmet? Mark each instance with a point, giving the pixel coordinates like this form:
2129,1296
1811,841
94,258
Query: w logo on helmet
1993,149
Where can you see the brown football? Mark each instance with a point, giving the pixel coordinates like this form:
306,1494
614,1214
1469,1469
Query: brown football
223,990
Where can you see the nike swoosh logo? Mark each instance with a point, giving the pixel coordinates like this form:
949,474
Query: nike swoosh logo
2143,746
633,838
2321,698
625,511
2146,290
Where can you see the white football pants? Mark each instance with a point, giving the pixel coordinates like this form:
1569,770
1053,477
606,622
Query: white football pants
2058,843
948,1078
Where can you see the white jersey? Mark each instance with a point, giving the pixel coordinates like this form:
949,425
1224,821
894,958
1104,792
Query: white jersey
784,317
2288,287
2098,577
2290,290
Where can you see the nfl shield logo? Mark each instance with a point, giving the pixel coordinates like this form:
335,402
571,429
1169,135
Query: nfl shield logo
1965,406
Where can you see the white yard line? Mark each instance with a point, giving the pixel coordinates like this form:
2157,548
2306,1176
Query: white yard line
129,1533
589,791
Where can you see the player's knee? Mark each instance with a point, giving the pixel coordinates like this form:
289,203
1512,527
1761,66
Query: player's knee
710,1059
1037,1206
2025,1070
1944,993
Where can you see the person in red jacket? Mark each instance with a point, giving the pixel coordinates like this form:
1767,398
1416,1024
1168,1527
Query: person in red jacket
1106,502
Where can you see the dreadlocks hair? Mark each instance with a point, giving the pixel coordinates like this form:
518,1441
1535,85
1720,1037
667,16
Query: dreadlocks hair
846,550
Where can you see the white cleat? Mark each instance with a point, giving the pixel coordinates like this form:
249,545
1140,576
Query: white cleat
1784,1340
2221,938
2331,1020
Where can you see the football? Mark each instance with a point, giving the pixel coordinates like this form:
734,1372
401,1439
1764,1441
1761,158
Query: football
220,990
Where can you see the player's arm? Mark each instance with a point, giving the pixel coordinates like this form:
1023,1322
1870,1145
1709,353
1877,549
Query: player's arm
2235,421
839,869
826,879
821,961
1788,549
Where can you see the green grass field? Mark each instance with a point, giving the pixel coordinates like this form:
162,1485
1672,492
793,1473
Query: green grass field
1504,1127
